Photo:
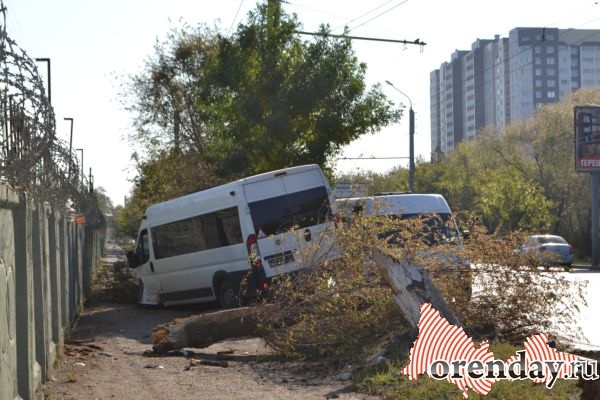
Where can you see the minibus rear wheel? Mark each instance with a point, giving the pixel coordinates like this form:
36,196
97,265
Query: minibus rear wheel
227,295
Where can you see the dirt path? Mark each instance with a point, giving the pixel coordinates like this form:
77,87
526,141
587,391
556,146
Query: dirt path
108,357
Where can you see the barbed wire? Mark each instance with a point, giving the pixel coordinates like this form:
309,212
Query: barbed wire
32,159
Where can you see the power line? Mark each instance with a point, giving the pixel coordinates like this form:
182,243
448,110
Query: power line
378,15
416,41
235,17
367,13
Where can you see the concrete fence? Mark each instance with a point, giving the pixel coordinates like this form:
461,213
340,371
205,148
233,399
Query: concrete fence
46,266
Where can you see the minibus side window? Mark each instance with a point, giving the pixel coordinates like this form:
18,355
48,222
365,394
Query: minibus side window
202,232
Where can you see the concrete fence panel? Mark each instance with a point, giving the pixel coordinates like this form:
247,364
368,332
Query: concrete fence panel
47,264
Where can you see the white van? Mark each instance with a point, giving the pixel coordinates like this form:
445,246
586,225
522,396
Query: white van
435,213
201,246
404,206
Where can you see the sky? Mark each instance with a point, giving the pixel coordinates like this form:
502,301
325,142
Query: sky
94,45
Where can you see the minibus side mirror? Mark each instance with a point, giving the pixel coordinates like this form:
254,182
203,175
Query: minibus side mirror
132,259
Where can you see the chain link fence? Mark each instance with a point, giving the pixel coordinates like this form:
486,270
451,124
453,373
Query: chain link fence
32,158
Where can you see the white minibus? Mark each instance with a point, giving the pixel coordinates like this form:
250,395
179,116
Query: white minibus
434,212
200,247
405,206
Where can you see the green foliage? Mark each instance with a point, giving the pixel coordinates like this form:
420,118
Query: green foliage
275,101
506,201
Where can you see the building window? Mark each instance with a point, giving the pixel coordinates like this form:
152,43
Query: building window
551,94
538,72
537,50
550,60
538,94
538,83
550,50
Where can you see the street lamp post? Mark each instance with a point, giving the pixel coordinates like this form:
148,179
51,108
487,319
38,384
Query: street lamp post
47,61
411,140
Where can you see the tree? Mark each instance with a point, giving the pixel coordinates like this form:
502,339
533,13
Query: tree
259,100
278,101
507,202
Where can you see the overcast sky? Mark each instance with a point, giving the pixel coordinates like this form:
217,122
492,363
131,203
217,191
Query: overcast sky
91,43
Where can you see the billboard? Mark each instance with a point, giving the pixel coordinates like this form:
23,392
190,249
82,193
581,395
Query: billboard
587,138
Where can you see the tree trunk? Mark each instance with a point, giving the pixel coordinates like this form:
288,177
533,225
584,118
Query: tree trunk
412,287
202,330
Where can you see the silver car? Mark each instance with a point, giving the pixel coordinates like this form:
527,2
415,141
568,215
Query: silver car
551,249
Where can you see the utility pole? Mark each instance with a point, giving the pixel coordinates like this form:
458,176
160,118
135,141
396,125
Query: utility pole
595,230
411,140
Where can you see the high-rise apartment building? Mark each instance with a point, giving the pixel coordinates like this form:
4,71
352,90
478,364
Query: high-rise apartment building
502,80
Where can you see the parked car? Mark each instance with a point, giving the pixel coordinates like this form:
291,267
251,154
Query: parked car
549,249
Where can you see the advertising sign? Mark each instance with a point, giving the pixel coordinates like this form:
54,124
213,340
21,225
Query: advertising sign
587,138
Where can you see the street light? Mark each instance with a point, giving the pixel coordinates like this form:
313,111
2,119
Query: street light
411,135
47,61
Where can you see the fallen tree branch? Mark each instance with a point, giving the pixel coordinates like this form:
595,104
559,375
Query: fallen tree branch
410,284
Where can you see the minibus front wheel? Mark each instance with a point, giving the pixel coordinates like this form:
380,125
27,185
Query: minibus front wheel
227,295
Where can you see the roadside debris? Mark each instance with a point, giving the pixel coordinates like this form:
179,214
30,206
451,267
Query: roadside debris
410,285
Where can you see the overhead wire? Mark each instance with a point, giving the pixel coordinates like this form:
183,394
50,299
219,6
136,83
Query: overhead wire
347,21
235,17
379,15
362,15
